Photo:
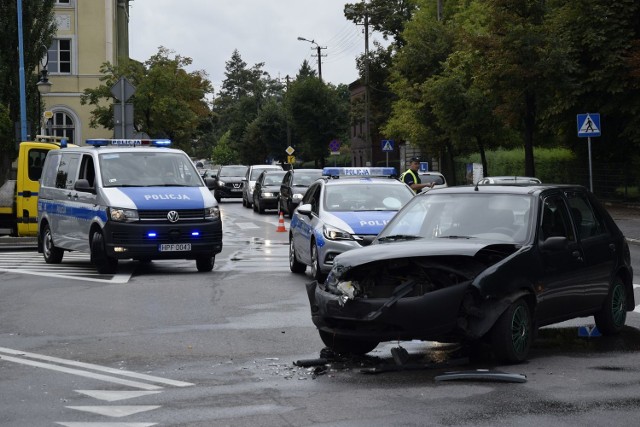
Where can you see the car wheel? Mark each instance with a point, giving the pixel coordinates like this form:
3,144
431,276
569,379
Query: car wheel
315,264
260,208
52,255
343,345
611,318
244,202
294,265
205,264
104,264
255,205
512,334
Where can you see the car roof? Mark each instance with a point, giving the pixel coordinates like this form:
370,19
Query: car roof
359,180
506,189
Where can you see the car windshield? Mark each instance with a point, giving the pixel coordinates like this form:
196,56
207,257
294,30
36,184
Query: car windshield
233,171
273,178
501,217
255,173
436,179
306,178
148,169
366,197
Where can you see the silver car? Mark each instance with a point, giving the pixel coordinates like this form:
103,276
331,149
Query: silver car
339,214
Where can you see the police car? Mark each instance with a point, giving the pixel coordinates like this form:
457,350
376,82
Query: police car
344,210
127,199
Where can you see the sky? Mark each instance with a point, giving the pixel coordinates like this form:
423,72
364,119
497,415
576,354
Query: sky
208,31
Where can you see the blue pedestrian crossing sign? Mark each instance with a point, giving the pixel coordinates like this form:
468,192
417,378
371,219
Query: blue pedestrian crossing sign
588,125
387,144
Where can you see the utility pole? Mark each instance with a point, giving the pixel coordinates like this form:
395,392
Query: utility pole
319,55
367,93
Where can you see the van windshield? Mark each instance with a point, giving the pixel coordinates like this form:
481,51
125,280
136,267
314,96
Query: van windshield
148,169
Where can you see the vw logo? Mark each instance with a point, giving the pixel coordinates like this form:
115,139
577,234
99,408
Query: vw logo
173,216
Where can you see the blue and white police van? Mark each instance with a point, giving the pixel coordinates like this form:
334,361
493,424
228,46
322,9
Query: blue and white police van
345,209
127,199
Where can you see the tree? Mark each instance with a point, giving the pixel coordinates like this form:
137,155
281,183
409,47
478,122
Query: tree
319,114
169,102
223,153
266,136
38,30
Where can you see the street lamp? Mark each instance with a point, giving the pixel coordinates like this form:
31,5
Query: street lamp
44,85
319,48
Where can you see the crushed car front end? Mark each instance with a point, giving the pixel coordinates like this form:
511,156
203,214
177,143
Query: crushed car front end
438,292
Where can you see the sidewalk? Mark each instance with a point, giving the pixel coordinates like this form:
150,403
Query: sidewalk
627,217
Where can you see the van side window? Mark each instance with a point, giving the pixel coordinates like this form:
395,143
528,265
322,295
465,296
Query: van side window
67,171
87,170
49,174
588,222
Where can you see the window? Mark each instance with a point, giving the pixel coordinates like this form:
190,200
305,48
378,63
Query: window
60,56
36,160
63,126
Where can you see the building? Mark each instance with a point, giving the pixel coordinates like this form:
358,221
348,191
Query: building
90,33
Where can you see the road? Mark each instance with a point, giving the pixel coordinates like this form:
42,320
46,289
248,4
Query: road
161,344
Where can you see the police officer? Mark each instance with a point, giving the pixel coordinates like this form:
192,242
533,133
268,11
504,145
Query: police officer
411,177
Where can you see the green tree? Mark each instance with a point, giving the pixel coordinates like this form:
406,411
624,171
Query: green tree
169,102
319,114
266,136
223,153
39,27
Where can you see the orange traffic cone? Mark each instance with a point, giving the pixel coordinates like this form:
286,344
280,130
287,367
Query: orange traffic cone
281,223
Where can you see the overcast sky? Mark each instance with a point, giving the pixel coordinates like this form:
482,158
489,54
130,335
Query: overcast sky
266,31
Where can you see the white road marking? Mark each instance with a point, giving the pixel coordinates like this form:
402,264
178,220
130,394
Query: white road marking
106,424
80,373
115,411
94,367
75,266
246,225
112,396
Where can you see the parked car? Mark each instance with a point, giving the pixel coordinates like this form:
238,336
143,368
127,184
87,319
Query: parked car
249,181
439,181
483,265
294,184
340,213
229,182
265,194
509,180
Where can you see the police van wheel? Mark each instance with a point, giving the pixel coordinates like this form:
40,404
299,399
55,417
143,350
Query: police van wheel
205,263
52,255
104,264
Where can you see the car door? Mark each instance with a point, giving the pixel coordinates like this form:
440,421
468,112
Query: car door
598,247
285,191
86,207
65,223
302,225
563,269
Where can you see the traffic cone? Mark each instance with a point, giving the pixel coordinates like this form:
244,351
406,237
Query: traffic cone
281,223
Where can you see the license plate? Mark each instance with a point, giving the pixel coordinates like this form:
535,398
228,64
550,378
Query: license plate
175,247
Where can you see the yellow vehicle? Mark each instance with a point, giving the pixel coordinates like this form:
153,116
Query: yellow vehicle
19,195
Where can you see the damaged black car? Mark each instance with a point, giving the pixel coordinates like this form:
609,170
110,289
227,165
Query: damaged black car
483,264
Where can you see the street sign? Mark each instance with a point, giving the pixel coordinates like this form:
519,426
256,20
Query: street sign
334,146
122,90
291,159
47,115
289,150
387,144
588,125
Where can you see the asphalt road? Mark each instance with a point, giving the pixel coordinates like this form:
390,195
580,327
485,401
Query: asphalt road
165,345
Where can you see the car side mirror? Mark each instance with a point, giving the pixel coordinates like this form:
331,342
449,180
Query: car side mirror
244,179
555,244
210,183
305,209
83,185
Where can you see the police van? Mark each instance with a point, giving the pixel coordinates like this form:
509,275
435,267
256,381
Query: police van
127,199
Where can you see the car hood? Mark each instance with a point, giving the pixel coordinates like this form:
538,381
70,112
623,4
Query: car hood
413,248
231,178
360,222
